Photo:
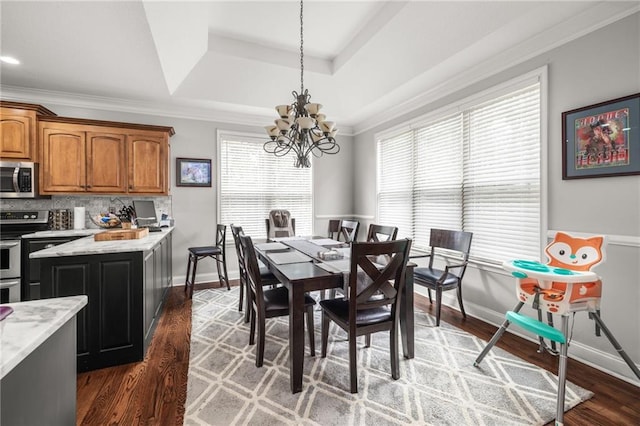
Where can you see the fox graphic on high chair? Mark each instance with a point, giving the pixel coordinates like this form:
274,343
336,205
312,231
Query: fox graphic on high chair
563,286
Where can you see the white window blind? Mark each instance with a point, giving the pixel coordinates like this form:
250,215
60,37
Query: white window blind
253,182
477,170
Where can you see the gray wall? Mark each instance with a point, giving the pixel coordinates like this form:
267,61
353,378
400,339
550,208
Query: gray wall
600,66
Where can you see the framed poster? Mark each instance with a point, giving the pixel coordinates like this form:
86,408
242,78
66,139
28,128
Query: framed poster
602,140
193,172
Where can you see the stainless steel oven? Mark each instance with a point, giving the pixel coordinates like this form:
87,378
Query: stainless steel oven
9,271
10,290
14,224
9,259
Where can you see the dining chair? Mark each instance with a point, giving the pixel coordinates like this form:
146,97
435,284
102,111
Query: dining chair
381,233
280,224
373,300
348,230
458,245
216,252
334,228
268,303
267,277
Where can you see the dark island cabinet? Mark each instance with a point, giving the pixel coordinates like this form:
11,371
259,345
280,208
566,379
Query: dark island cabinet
30,272
126,293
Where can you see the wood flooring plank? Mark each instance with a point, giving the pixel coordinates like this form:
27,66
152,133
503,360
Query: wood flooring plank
154,391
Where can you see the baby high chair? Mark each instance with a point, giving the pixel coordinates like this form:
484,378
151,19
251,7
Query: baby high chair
564,285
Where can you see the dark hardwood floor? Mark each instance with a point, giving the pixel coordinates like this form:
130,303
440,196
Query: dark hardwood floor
153,392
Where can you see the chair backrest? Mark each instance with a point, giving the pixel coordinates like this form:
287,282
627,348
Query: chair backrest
381,233
252,269
280,224
236,231
457,241
349,230
372,285
221,235
334,228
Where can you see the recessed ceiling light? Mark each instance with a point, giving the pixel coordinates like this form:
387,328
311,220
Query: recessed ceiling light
9,60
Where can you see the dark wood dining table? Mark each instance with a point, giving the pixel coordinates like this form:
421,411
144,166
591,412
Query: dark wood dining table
303,277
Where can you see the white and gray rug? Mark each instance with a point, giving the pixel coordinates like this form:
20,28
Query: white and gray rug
439,386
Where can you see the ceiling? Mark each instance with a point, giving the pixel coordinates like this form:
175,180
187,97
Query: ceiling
365,61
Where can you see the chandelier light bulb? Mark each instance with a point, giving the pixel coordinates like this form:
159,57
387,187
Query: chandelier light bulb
327,126
306,123
313,109
272,131
283,124
284,110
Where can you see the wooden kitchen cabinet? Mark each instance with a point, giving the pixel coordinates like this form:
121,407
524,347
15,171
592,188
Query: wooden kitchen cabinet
106,162
18,130
89,156
148,160
64,153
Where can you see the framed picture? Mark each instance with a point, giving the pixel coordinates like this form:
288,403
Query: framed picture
193,172
602,140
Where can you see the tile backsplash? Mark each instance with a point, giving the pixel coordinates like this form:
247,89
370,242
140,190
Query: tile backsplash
93,204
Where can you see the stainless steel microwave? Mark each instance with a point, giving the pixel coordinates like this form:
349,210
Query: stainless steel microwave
18,179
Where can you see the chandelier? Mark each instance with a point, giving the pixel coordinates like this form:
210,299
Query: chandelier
301,128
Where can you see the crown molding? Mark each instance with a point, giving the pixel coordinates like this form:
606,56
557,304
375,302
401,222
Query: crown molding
205,111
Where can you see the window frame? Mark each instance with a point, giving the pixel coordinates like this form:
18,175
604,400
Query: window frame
539,75
220,135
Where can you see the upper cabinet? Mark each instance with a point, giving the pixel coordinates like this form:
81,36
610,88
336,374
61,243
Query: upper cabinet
89,156
18,130
148,167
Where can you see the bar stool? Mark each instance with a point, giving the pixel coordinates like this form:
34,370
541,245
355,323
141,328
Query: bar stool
216,252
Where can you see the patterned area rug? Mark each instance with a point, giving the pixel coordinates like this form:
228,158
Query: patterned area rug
439,386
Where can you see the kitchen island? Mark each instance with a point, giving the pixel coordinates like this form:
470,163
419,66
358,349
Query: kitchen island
38,362
125,282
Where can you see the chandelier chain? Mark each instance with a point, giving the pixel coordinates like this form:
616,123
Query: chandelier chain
301,52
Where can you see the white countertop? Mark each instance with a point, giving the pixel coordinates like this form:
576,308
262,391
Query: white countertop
87,245
64,233
30,324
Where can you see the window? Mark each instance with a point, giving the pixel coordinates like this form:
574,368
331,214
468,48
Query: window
253,182
476,169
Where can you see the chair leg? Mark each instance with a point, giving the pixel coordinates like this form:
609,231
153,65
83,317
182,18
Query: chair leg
325,335
459,290
367,340
226,274
260,347
252,327
562,373
438,305
222,277
393,344
241,297
353,363
186,278
192,284
248,302
429,293
312,337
